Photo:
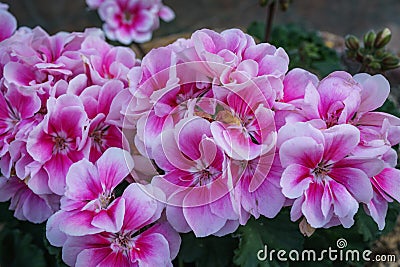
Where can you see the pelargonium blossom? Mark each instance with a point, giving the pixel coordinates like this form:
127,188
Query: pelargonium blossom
140,240
60,139
26,204
128,21
320,174
88,205
195,181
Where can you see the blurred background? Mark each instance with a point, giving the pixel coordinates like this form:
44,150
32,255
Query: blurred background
339,17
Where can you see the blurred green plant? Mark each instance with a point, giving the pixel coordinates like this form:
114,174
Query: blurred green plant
372,55
306,49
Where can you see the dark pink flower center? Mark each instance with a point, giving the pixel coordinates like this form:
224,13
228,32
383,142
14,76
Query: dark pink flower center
205,176
122,242
321,170
60,144
105,199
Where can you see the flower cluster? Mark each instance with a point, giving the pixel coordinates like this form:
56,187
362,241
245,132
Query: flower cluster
62,157
56,96
120,155
128,21
232,134
335,151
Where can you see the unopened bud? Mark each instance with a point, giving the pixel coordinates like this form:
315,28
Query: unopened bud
352,42
369,39
382,38
375,65
390,60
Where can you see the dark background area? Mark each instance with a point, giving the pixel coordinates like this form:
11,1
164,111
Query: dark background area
339,17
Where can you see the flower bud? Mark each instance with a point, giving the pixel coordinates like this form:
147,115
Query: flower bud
352,42
369,39
390,60
375,65
382,38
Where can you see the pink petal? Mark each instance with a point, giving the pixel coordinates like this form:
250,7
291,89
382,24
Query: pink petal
295,83
375,90
173,238
95,256
111,219
340,140
8,24
82,181
295,180
140,208
312,205
196,216
53,233
371,167
78,223
76,245
378,208
166,14
113,166
389,181
190,134
151,249
114,259
177,220
356,182
304,151
344,204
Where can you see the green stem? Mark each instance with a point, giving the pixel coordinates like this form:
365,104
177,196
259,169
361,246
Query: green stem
140,48
270,19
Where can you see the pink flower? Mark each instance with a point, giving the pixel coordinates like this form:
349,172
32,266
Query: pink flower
320,174
27,205
8,23
232,58
137,242
258,191
130,21
195,180
88,205
60,139
245,128
102,135
16,110
104,62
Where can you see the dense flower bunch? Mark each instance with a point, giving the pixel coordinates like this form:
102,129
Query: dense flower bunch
61,156
128,21
119,156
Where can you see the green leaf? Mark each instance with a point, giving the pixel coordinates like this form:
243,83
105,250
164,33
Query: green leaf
278,233
208,251
17,249
390,107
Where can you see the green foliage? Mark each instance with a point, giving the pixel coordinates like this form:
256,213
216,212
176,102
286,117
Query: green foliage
207,251
306,49
278,233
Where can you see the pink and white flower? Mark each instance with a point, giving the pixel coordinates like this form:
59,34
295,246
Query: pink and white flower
130,21
195,180
88,205
26,204
60,139
320,174
139,241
